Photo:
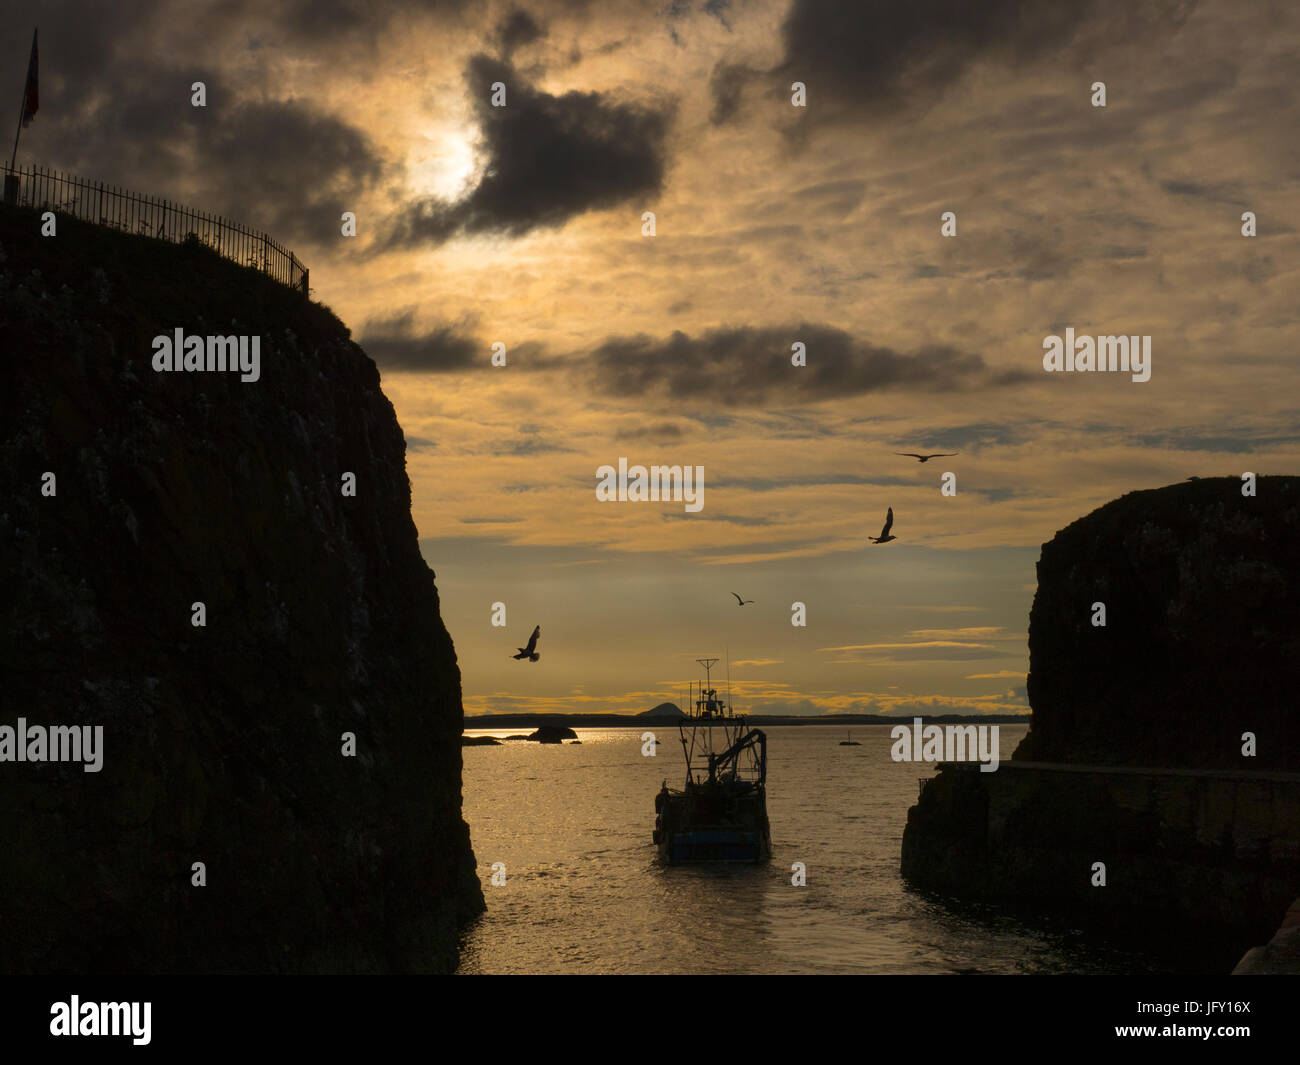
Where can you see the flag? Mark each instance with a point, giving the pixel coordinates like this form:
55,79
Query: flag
31,95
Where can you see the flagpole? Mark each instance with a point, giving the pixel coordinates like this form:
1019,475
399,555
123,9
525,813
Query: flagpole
22,109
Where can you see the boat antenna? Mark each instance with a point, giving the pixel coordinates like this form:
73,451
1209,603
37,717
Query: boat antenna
708,664
726,650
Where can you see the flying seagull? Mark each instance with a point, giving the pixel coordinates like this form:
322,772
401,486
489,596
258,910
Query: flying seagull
884,536
740,601
925,458
530,652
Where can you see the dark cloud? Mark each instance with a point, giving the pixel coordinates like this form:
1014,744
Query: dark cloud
286,167
878,52
792,425
873,56
727,85
118,116
736,519
518,29
347,23
1037,254
395,346
1214,193
997,495
718,9
973,436
1257,271
1191,440
658,431
548,159
751,366
531,444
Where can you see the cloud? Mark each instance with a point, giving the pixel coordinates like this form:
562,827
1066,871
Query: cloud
548,159
278,165
818,480
934,645
351,22
920,651
657,431
393,343
531,443
517,29
974,435
1185,439
891,704
877,51
751,366
878,56
287,167
1215,193
974,632
727,85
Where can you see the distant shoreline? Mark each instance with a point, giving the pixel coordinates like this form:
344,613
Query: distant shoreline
533,721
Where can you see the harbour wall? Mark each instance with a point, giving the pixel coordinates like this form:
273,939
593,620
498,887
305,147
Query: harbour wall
1215,850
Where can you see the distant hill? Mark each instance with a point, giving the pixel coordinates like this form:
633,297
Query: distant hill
662,710
532,721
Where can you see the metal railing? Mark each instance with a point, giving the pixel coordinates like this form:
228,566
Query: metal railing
108,205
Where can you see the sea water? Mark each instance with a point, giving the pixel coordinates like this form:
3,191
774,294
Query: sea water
584,891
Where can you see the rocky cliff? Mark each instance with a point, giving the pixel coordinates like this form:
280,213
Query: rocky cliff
1130,806
223,743
1201,587
1280,956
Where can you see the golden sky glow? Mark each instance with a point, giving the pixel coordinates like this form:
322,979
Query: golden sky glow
1123,219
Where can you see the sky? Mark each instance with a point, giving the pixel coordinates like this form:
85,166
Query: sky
774,224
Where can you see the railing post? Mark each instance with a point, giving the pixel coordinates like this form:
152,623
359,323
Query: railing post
113,206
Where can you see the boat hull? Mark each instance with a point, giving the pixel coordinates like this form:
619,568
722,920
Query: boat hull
713,824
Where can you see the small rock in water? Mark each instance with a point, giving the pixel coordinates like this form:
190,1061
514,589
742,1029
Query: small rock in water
553,734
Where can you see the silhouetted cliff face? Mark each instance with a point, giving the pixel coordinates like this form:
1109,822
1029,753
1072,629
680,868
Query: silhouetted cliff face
1181,849
1202,638
222,744
1201,588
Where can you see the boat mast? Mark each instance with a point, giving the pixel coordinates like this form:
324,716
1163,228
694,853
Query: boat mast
706,703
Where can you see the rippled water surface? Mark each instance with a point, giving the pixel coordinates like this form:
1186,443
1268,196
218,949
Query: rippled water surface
585,892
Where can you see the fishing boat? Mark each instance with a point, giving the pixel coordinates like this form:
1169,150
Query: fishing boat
720,814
